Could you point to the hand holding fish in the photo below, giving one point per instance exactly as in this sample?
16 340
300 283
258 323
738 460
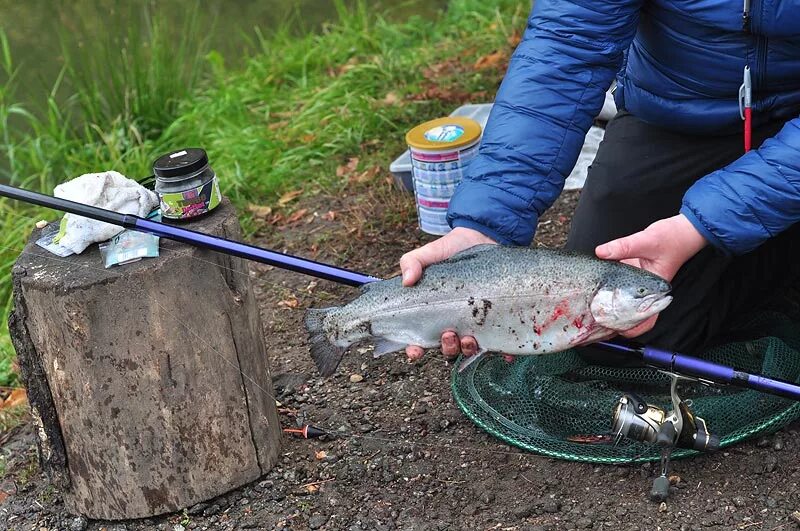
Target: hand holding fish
662 248
412 264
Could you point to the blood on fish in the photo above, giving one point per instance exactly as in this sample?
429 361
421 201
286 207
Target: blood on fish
560 310
578 322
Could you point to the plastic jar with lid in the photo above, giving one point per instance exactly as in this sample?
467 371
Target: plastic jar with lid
186 184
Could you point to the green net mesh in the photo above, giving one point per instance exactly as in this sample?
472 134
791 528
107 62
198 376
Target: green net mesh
560 406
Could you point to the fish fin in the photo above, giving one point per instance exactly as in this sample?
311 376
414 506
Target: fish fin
386 346
366 287
466 362
325 354
472 252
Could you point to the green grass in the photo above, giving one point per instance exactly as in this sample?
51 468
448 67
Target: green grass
295 111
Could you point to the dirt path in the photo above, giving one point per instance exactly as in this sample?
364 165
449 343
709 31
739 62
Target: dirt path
405 457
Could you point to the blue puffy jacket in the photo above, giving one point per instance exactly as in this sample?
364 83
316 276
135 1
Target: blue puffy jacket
679 66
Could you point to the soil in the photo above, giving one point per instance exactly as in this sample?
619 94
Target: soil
401 454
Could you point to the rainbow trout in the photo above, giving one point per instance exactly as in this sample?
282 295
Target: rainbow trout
514 300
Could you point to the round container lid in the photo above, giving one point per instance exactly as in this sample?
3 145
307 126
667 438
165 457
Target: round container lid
180 163
449 133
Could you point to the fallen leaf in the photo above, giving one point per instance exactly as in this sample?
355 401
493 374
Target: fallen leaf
330 216
307 139
368 175
312 489
311 285
290 303
277 125
259 211
391 99
297 216
289 197
347 169
17 397
492 60
322 454
515 38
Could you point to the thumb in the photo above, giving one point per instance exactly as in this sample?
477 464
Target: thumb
412 263
634 246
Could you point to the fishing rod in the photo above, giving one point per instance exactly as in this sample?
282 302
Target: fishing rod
672 362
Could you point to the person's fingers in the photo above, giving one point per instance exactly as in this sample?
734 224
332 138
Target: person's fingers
413 262
451 345
638 245
414 353
411 268
509 358
469 346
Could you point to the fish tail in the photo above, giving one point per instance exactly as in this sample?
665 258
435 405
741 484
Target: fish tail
325 354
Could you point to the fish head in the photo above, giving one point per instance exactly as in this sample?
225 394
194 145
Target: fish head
628 298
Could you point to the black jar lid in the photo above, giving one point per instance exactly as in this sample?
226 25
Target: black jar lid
180 163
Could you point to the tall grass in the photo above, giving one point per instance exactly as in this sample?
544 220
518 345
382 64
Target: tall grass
286 119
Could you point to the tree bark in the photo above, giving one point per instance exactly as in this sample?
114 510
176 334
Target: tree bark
149 381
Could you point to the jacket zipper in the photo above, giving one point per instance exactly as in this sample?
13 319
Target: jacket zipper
753 17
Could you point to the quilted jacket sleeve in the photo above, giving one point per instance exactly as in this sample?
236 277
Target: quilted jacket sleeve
554 87
751 200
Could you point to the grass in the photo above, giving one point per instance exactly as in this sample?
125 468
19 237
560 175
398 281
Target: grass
296 110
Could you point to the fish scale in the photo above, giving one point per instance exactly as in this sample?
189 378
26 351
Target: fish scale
515 300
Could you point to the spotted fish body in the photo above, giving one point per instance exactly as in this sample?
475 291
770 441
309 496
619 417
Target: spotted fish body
515 300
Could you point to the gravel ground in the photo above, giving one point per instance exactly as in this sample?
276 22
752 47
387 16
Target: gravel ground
402 455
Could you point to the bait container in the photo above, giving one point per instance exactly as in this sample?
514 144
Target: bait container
440 152
186 184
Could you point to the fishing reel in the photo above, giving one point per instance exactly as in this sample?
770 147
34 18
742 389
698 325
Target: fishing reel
635 419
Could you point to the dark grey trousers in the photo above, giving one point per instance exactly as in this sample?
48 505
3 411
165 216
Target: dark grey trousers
639 176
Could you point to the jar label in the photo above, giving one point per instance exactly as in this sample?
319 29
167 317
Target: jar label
444 133
191 203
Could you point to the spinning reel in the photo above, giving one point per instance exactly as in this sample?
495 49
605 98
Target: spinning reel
678 428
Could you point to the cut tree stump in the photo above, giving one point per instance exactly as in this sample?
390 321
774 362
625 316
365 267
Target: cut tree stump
149 381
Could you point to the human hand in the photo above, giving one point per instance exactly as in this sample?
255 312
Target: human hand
412 265
662 248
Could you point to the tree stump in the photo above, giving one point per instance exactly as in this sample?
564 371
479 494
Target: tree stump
149 381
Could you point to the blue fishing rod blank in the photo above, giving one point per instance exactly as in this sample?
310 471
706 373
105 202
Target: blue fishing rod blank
662 359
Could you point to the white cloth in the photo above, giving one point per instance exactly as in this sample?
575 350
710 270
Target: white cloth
109 190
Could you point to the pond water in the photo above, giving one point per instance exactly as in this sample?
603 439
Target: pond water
37 28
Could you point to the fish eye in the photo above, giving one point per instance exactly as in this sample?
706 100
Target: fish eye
641 291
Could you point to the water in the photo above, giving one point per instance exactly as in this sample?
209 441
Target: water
35 28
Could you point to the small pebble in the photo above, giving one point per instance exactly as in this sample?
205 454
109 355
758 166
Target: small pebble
663 507
197 509
41 224
317 521
796 516
78 524
355 378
